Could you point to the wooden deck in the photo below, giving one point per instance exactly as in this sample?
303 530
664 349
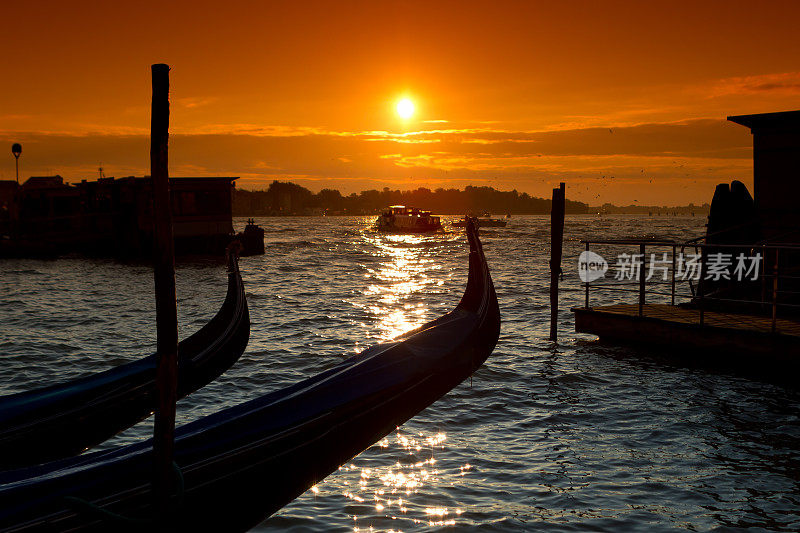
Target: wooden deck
671 326
711 318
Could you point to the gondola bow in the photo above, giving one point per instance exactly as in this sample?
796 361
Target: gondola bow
65 419
244 463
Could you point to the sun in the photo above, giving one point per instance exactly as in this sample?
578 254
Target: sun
405 108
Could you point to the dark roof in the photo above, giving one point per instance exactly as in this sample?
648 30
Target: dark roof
208 178
783 120
230 178
44 182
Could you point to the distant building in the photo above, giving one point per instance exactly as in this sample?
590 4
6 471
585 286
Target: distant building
201 211
8 195
48 209
109 215
44 182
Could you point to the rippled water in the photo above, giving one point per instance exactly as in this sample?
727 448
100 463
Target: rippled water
572 437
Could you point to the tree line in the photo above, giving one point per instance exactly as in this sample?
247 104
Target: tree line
286 198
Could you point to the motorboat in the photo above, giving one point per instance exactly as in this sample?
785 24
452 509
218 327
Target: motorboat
484 221
402 219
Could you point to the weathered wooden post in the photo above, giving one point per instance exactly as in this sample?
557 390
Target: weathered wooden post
775 292
586 295
556 249
166 304
674 262
642 277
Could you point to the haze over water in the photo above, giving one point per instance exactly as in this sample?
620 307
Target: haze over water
569 438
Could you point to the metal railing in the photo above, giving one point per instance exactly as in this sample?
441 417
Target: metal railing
770 285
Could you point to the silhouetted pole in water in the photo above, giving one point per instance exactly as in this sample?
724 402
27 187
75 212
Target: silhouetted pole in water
166 305
556 249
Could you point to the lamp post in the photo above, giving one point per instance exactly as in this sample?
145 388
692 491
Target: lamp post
16 149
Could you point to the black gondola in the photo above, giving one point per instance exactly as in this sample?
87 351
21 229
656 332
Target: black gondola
65 419
244 463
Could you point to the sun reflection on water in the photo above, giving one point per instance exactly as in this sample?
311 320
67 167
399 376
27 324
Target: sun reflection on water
388 487
405 269
389 495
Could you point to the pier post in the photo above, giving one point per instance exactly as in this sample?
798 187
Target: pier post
642 277
775 293
166 304
674 261
556 248
700 286
586 302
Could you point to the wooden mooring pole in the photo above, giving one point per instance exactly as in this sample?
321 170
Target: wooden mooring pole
556 249
166 304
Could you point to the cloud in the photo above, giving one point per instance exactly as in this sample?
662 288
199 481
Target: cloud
700 150
696 138
783 84
191 102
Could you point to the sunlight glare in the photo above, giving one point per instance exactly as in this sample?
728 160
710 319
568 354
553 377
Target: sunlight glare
405 108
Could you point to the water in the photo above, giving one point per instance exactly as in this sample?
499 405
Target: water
573 437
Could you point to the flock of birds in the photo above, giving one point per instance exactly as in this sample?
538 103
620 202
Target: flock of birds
598 184
604 181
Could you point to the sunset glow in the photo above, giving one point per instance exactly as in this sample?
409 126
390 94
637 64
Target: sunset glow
550 92
419 265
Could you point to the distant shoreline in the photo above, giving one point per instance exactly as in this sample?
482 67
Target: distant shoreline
697 212
284 198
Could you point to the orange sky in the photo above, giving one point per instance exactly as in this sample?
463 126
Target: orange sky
510 94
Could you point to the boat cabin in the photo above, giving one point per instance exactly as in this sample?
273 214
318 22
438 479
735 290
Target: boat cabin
403 210
402 219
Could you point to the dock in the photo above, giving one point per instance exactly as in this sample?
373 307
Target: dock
683 301
731 294
680 329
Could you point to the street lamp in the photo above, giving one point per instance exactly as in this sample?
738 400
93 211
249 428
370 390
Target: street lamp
16 149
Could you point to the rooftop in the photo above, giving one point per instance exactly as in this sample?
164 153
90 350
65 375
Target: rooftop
783 120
